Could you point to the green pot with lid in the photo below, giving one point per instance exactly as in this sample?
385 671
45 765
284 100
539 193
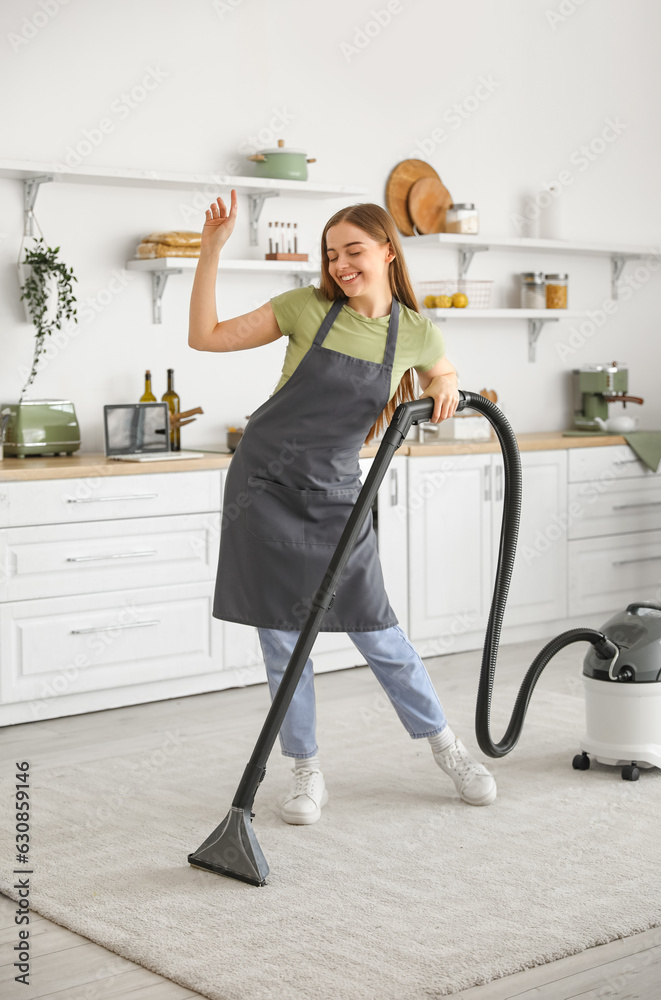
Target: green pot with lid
282 164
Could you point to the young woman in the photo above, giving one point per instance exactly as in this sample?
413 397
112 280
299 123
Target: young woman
295 475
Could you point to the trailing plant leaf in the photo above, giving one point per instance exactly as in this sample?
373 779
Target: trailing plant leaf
43 261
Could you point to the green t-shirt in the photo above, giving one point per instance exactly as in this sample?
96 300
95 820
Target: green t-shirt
300 311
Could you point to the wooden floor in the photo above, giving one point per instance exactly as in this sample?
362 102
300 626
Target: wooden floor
66 966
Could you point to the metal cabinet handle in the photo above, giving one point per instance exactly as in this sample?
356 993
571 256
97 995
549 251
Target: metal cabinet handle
499 482
394 488
625 562
115 555
630 506
487 482
626 461
111 628
126 496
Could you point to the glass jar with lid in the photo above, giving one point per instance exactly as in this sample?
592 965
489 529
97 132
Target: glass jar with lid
556 291
462 218
533 290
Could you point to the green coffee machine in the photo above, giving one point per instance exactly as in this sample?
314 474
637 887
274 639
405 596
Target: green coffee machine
40 427
595 386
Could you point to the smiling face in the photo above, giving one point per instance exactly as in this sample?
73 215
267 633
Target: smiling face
356 262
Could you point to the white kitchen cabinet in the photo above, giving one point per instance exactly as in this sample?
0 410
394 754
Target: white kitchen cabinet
79 644
449 529
89 557
106 590
455 513
103 496
615 530
606 574
538 590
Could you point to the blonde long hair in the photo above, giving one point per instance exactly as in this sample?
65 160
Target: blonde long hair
379 225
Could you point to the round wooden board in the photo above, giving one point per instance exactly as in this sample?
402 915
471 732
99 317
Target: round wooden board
398 184
428 201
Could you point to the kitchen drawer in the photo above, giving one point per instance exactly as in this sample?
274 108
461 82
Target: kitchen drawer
607 463
53 501
609 507
68 645
607 574
88 558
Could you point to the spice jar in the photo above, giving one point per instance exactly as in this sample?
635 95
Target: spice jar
556 291
461 218
533 291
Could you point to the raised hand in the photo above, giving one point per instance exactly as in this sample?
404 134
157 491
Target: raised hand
219 224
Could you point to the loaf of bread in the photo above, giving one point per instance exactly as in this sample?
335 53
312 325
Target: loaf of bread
175 238
145 250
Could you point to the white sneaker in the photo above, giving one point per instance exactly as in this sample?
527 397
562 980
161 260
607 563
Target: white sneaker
472 780
308 794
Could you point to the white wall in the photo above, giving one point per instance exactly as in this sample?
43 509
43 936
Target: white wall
559 71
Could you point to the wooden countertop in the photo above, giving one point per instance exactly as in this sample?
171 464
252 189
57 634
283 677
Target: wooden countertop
532 441
90 464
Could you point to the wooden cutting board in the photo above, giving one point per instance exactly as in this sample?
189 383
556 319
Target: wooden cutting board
428 201
401 179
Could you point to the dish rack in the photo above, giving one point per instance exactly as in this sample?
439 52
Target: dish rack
478 293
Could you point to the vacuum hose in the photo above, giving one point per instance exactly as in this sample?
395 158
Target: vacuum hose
604 648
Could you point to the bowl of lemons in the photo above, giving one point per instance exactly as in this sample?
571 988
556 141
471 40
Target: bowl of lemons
457 293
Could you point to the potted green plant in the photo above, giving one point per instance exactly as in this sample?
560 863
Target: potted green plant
48 295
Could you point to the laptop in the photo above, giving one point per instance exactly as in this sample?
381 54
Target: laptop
140 432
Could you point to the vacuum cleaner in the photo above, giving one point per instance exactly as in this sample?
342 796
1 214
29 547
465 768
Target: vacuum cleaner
621 671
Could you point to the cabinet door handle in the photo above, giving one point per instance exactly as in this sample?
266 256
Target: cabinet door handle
487 482
631 506
626 461
114 555
111 628
625 562
126 496
394 488
499 482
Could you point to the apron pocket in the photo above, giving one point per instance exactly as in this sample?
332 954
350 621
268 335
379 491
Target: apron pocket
278 513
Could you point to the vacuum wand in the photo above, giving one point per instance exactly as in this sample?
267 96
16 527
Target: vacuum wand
232 848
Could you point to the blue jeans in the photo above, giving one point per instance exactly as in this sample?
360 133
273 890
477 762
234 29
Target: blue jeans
393 659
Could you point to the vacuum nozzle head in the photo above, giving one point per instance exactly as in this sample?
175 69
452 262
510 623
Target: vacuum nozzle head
232 850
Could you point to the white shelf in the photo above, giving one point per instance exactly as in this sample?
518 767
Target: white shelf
475 243
34 174
546 314
468 246
161 268
29 170
177 264
536 318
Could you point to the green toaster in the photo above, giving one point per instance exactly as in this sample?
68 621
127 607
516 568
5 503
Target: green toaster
41 427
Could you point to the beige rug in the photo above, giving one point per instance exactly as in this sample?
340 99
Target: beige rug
401 890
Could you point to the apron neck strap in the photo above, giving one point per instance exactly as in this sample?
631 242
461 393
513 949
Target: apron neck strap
391 342
329 319
393 326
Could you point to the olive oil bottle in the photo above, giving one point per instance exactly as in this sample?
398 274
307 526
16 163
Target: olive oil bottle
172 399
148 396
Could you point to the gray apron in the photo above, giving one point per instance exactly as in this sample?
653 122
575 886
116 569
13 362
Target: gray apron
290 488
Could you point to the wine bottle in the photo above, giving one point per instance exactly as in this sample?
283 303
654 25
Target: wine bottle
148 396
172 399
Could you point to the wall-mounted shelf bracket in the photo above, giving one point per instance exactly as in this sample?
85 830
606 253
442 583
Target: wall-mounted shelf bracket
617 266
466 255
30 191
301 279
255 206
159 280
535 327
